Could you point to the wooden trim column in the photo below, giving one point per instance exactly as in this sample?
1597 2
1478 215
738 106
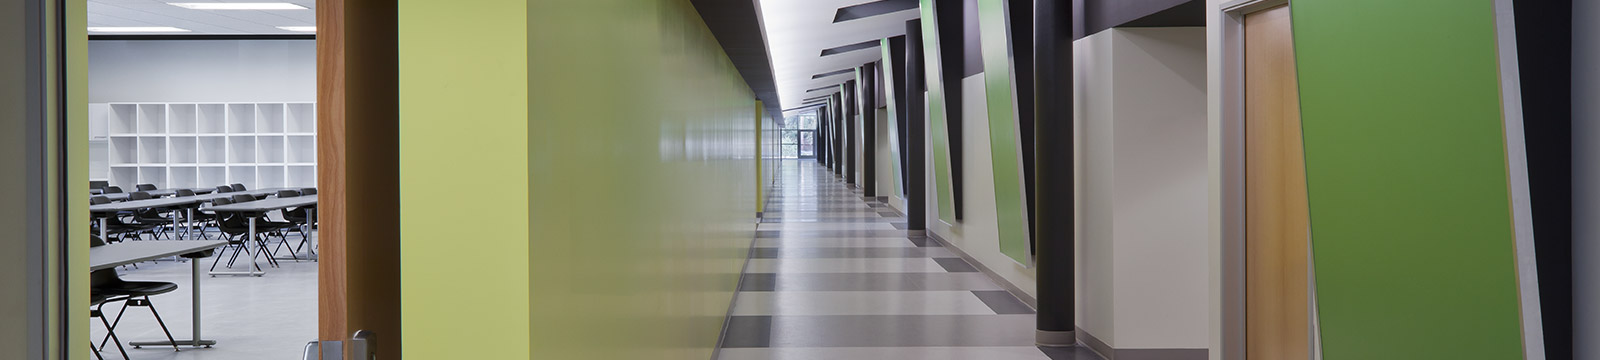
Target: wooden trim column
358 172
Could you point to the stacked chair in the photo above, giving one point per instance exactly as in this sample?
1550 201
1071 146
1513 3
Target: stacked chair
116 226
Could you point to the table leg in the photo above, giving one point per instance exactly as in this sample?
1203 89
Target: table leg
196 339
254 269
175 225
188 225
103 238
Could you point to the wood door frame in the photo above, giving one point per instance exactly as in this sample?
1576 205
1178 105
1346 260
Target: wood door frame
1232 191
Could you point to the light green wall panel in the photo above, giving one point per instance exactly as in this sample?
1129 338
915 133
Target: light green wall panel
1005 136
463 130
1406 173
894 125
937 127
642 186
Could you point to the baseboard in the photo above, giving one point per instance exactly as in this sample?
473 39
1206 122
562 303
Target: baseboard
1109 353
1055 338
1011 288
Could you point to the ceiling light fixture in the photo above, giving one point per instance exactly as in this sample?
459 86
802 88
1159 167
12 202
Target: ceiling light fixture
135 29
299 28
239 6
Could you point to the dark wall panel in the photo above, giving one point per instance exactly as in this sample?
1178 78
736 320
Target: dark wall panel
916 123
951 17
1544 55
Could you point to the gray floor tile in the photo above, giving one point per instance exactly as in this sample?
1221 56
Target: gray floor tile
850 252
1003 302
786 303
902 330
955 265
888 353
748 331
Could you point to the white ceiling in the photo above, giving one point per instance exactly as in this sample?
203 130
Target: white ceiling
159 13
798 30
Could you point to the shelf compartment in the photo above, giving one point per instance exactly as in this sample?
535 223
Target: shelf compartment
241 118
184 150
154 175
242 175
122 119
269 149
212 119
123 151
99 126
181 118
153 119
269 177
152 150
211 176
269 118
184 177
301 118
124 177
302 176
301 149
241 149
212 150
99 159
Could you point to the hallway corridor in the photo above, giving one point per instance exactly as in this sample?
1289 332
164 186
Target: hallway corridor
833 276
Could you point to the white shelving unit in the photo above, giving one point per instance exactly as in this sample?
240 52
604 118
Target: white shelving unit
260 145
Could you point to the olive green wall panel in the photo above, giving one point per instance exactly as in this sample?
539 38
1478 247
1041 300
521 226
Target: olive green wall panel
1005 136
938 129
1407 179
642 187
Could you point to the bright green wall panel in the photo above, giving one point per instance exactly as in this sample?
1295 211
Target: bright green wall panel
642 188
937 127
1407 180
889 90
463 130
1005 138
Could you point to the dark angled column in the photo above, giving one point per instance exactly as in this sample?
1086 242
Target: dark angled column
951 30
822 135
897 61
916 125
1053 173
1544 55
839 132
849 123
869 131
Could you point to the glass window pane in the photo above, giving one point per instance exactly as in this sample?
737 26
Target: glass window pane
808 122
808 150
808 138
791 151
789 137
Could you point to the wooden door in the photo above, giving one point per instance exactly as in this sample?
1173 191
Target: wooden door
1277 319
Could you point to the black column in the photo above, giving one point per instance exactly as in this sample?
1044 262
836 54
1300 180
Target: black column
1544 55
839 132
897 60
822 135
849 131
950 31
916 122
869 130
1054 172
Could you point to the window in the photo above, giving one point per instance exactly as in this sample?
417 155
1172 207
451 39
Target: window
799 136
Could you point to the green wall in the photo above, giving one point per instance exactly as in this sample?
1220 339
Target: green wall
579 179
1406 174
938 129
1005 138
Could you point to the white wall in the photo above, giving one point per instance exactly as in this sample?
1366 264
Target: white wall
978 233
1585 180
202 71
1143 263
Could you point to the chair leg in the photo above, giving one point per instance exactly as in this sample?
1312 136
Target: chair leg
145 302
110 328
110 332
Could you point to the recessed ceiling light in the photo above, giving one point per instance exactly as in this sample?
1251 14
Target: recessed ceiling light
136 29
239 6
299 28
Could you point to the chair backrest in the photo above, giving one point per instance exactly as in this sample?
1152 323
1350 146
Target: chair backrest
288 193
224 189
139 195
113 190
243 198
98 200
145 187
221 201
98 184
238 187
308 191
94 241
185 192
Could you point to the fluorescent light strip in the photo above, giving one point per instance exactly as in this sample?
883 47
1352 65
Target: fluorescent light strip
136 29
299 28
239 6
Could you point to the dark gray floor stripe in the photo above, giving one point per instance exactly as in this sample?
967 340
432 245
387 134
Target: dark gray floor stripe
1070 353
955 265
924 241
759 282
748 332
1002 302
848 252
869 282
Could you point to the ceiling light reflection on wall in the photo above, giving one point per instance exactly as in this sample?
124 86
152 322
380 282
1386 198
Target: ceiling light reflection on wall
239 6
135 29
299 28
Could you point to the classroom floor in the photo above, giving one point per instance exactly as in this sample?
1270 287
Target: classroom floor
268 317
835 277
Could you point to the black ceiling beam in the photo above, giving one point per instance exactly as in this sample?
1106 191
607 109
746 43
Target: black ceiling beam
1099 15
829 87
737 27
834 73
872 9
869 44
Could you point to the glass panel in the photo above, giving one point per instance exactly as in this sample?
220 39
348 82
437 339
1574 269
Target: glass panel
807 150
791 151
789 137
808 121
808 138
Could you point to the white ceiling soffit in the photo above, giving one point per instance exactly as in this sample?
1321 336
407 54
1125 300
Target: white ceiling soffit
127 13
798 30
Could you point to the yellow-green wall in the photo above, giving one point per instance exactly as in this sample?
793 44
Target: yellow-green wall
578 179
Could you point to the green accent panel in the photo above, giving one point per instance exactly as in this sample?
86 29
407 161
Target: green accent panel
894 126
641 180
1407 180
77 59
463 129
936 115
1005 138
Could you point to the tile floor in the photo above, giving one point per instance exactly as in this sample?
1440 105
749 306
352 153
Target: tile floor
268 317
834 276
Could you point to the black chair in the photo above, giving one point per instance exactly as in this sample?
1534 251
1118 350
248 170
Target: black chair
145 187
95 302
224 189
114 223
113 190
236 229
199 217
152 216
238 187
107 284
297 220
